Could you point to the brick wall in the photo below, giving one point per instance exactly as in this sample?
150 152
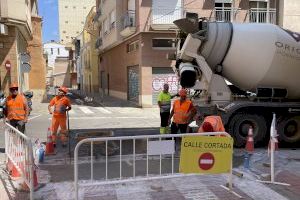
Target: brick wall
37 75
8 52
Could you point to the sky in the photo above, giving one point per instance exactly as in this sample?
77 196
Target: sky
48 9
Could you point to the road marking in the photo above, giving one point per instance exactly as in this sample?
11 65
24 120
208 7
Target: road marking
34 117
72 112
103 110
86 110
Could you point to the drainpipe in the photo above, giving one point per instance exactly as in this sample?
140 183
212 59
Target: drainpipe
268 11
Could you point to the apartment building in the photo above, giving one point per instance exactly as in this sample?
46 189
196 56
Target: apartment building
72 14
136 35
21 35
53 50
89 55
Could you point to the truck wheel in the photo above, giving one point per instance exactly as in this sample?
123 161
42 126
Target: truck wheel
289 129
239 126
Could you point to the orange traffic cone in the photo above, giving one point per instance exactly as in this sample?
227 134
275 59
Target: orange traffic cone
49 144
13 171
35 180
250 141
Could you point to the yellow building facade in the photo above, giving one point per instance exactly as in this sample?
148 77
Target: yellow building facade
89 55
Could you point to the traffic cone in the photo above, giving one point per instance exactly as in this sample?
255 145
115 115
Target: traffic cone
49 144
250 141
35 180
13 171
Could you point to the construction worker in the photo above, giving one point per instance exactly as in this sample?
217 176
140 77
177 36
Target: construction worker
61 104
164 103
16 108
212 123
183 112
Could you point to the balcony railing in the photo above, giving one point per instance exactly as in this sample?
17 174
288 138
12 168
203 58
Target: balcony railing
260 15
224 14
129 19
166 16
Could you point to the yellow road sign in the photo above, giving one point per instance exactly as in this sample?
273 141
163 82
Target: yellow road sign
206 154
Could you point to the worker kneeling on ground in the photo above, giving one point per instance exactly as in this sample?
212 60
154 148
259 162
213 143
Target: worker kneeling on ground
16 108
61 105
212 123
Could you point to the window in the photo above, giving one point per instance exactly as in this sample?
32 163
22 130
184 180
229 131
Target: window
133 46
223 12
67 37
258 12
66 6
51 51
64 31
58 51
84 7
112 19
74 7
163 43
66 22
82 22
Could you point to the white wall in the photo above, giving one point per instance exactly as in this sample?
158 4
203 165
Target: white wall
290 14
52 56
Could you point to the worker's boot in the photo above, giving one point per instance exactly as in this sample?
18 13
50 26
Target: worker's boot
64 140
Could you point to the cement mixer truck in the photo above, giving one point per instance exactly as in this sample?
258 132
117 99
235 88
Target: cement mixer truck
244 73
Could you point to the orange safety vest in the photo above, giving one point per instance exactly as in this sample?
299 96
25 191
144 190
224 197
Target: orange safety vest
216 123
182 111
60 106
16 107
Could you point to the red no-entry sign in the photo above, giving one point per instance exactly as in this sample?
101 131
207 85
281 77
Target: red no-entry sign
7 65
206 161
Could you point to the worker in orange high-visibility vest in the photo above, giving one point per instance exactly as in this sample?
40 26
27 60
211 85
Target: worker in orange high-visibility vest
212 123
16 108
182 112
61 105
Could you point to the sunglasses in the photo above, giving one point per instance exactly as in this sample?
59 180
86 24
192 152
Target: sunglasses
13 89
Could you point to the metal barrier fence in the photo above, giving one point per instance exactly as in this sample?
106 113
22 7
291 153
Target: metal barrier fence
19 153
131 157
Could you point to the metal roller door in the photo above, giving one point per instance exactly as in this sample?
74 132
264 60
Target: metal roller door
161 75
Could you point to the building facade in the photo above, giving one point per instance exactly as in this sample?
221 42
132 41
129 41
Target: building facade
89 55
53 50
72 14
21 35
136 35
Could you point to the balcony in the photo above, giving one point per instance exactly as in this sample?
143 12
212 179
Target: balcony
260 15
224 14
162 19
128 24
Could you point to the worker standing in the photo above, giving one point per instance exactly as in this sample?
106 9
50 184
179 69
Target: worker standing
212 123
164 103
61 105
183 112
16 108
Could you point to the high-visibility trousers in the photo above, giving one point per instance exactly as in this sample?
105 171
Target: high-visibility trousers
62 123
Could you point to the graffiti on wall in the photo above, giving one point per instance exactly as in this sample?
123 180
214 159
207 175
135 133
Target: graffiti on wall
158 81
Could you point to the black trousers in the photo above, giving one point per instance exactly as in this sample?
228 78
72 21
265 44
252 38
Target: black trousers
176 127
18 124
164 119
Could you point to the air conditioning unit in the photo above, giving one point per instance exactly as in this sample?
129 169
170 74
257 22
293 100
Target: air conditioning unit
3 29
